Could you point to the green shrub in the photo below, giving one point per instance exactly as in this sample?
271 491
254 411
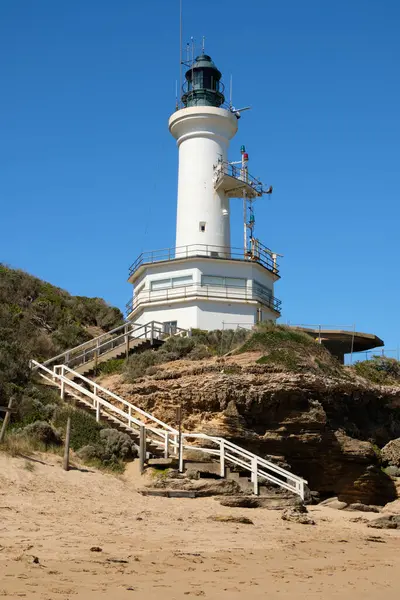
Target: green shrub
42 432
219 341
137 364
379 369
199 352
113 448
115 365
117 445
84 428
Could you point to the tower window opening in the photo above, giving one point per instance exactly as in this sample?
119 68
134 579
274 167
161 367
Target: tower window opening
202 226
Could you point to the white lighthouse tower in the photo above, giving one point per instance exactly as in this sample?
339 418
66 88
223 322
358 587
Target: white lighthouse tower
202 282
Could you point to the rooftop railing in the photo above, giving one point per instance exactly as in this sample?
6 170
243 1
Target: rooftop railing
212 292
259 254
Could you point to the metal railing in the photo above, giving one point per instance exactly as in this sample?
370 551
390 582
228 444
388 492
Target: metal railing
260 254
163 436
124 336
235 171
203 291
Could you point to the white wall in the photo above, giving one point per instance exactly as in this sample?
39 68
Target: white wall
208 315
186 315
213 315
202 135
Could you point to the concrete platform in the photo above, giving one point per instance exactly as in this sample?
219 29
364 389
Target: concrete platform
340 342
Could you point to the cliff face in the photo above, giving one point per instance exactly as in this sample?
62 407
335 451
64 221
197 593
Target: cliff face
325 429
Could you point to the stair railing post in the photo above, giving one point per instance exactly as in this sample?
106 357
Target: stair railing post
130 416
254 475
152 333
96 403
222 458
166 447
301 489
62 393
176 445
181 453
142 448
126 341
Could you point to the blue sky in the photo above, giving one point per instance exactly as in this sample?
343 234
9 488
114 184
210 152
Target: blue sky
88 170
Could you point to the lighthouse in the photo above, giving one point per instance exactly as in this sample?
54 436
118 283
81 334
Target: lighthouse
202 281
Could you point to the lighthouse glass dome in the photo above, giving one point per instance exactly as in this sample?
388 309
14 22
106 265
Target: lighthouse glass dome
203 86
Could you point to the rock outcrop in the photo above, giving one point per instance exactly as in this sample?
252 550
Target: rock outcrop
391 453
323 428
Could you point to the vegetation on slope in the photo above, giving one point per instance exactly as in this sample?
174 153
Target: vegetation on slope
202 344
287 349
379 369
38 320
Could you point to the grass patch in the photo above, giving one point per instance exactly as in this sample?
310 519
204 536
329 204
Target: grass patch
269 335
287 349
285 357
17 444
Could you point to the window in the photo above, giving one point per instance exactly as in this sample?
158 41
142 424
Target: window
165 284
184 280
262 290
202 226
223 281
169 327
161 284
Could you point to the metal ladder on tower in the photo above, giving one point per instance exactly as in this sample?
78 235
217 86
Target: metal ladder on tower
159 438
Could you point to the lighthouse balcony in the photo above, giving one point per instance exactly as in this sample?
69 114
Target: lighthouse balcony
212 288
236 182
257 254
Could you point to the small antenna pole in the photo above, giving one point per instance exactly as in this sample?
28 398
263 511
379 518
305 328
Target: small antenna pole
176 95
180 51
230 92
203 44
192 58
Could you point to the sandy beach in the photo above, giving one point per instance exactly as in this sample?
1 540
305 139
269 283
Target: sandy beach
169 548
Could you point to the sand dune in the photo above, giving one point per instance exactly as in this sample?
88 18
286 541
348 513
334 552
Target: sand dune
168 548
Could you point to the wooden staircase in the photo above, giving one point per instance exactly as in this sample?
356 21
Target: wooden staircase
157 438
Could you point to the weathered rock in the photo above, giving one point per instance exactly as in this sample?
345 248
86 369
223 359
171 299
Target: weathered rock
318 425
230 519
392 507
391 453
359 520
295 516
387 522
392 471
202 487
373 486
334 503
212 487
240 501
358 506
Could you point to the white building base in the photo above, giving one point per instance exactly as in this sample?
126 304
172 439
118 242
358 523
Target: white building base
203 292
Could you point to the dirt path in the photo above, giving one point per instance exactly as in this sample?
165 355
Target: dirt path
168 548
